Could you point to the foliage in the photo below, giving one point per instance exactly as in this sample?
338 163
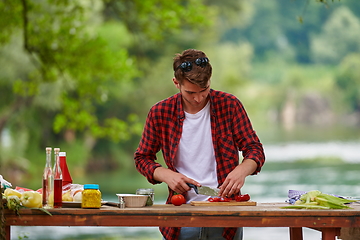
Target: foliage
339 36
82 74
68 72
348 81
55 73
275 26
75 66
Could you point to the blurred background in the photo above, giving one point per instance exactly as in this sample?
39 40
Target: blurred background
81 75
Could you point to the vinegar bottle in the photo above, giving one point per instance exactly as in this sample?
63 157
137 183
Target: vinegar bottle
57 180
64 169
47 181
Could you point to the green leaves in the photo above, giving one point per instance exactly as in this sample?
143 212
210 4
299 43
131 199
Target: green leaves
153 19
10 20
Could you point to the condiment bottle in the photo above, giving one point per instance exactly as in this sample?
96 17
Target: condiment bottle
64 169
91 196
47 181
57 180
149 192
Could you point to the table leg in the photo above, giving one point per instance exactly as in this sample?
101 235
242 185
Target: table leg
7 232
330 233
296 233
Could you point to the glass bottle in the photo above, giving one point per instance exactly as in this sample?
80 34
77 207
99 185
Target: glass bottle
64 169
47 181
57 180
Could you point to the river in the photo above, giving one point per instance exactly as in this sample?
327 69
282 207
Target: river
331 167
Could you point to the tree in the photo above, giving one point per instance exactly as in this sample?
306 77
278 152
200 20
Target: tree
62 65
69 61
340 35
348 81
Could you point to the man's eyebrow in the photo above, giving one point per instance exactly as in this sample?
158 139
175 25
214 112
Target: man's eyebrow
205 88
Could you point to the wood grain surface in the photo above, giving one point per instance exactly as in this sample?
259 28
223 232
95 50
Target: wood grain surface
231 203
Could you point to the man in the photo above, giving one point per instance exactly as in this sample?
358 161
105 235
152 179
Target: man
200 132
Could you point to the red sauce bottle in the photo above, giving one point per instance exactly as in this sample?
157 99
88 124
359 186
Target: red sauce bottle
66 177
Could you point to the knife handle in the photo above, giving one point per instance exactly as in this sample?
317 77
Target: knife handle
193 186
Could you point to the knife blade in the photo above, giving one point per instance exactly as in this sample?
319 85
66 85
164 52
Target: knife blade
204 190
114 204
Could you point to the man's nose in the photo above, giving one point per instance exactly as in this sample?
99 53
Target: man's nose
198 97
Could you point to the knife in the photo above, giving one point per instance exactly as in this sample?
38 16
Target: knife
204 190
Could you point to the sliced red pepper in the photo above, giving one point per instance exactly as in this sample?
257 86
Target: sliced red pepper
214 199
242 198
225 199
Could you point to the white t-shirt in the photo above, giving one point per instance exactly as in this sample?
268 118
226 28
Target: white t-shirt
195 157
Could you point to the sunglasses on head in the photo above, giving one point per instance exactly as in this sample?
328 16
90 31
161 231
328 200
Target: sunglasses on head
187 66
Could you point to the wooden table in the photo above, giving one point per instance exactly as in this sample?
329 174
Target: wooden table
329 222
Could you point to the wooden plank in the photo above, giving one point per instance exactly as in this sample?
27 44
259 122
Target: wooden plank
231 203
7 232
296 233
330 233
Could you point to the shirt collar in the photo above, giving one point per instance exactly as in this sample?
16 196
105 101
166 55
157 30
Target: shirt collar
180 110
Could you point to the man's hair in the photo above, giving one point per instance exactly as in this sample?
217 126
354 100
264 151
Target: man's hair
199 74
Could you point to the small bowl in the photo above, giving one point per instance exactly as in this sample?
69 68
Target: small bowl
133 200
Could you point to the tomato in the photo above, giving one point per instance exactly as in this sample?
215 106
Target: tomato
242 198
178 199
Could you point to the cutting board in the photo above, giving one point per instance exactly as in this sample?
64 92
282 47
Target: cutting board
231 203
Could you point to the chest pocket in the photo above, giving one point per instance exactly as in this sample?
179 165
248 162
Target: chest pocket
227 148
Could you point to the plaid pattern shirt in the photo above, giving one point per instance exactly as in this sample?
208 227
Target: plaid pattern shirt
231 132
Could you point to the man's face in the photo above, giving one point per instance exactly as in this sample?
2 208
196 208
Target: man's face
194 97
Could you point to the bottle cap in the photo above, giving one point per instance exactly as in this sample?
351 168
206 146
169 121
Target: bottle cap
91 186
62 154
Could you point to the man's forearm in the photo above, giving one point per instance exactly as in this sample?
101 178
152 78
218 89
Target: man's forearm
248 166
160 174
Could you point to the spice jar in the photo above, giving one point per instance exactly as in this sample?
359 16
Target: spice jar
91 196
149 192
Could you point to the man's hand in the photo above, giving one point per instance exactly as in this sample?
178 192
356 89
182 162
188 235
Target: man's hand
176 181
236 178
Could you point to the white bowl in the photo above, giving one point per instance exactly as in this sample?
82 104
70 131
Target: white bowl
133 200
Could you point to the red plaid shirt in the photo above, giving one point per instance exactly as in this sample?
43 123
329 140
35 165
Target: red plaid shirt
231 132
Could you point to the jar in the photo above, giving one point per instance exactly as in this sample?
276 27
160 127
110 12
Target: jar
91 196
149 192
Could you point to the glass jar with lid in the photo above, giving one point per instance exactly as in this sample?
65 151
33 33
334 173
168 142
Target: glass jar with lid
149 192
91 196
